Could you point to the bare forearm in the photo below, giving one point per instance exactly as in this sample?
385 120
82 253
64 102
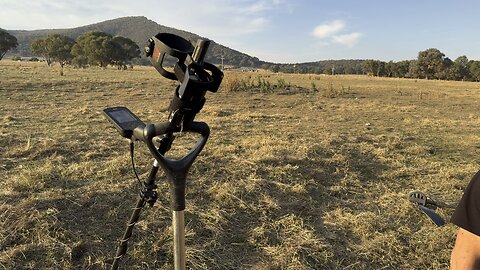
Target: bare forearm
466 253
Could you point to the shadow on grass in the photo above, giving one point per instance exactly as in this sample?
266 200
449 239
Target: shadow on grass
277 220
69 233
271 218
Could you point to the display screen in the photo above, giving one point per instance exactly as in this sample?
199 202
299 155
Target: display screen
122 116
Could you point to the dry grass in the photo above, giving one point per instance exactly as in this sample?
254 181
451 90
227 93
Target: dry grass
313 174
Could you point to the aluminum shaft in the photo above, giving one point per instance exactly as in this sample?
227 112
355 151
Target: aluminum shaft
179 239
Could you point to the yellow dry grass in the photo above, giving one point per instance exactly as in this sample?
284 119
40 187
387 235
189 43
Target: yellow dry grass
300 172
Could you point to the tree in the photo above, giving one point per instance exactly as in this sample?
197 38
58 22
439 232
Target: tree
446 72
460 70
370 67
115 53
390 68
95 47
126 51
413 70
54 48
401 69
80 61
39 47
474 69
374 67
61 47
275 68
7 42
99 48
430 63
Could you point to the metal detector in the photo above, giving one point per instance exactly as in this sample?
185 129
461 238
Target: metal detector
196 77
428 205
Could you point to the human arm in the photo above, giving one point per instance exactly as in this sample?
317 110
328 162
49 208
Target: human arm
466 252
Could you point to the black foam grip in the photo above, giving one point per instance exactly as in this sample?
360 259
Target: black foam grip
177 191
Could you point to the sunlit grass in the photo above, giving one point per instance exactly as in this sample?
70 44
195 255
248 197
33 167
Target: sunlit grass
300 171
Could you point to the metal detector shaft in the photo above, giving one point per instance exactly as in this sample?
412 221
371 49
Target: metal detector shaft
179 239
196 77
147 196
122 247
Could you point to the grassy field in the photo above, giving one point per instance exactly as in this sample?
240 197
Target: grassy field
300 172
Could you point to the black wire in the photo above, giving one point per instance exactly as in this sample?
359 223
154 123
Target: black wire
132 147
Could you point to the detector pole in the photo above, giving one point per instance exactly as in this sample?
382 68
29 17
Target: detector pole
147 195
196 77
179 239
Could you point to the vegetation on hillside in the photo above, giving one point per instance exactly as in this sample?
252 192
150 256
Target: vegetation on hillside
91 48
7 42
429 64
139 29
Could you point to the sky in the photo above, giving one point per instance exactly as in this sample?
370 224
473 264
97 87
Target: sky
283 31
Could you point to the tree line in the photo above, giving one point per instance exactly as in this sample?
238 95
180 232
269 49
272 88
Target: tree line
90 49
430 64
101 49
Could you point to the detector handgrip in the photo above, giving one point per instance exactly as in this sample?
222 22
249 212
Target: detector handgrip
146 133
184 163
175 170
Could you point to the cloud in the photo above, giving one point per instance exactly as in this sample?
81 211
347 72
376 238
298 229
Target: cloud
255 7
348 40
53 14
328 29
334 32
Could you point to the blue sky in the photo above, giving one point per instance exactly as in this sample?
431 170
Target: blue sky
283 31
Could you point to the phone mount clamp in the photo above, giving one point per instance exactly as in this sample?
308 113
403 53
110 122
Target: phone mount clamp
195 77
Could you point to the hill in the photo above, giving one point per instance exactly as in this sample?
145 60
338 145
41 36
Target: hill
138 29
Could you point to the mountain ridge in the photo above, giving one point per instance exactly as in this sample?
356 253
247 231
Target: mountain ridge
138 29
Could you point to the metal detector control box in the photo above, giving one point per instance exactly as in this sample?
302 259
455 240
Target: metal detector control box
123 119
